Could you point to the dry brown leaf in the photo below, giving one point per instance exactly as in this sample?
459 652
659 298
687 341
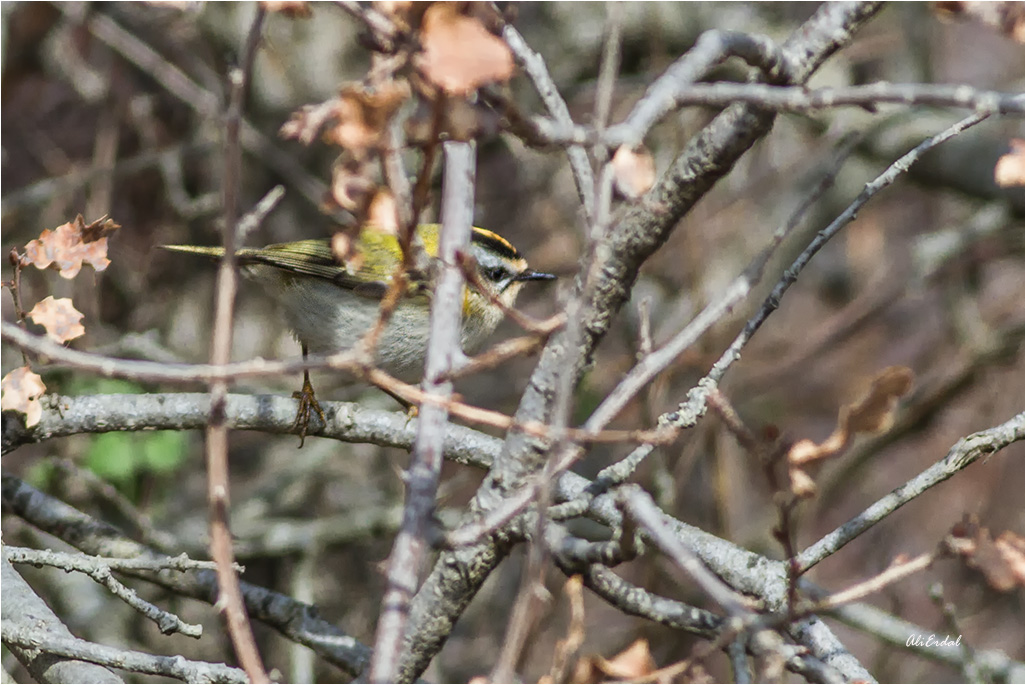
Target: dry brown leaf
71 244
567 647
362 114
633 663
585 671
304 124
97 230
1009 18
20 391
802 484
293 9
459 54
633 171
345 249
1010 169
59 317
1012 550
1000 561
874 413
403 13
352 188
383 212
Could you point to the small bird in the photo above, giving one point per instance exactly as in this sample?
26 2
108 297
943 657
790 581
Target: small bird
330 306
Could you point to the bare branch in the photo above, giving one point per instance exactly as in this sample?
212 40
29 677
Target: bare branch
792 99
100 571
19 602
230 601
534 66
176 667
443 354
295 620
963 453
638 505
708 157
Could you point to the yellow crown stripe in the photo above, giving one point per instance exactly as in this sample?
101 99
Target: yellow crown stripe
496 241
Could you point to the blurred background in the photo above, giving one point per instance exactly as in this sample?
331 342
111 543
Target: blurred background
96 120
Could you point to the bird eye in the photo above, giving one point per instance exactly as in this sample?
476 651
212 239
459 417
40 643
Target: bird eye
495 274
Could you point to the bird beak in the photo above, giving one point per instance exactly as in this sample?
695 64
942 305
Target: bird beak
532 275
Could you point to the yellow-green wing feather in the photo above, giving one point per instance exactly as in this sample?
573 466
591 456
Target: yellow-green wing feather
369 274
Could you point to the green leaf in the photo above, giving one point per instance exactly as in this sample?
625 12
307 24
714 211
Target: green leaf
163 451
113 457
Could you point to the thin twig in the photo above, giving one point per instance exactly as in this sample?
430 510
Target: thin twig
963 453
790 99
201 101
888 177
144 528
19 601
295 620
638 505
100 571
165 372
711 48
892 575
230 600
383 30
151 664
443 353
534 67
80 562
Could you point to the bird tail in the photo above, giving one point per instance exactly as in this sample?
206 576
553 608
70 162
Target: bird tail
214 252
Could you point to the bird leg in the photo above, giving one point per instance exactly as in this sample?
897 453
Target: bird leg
307 402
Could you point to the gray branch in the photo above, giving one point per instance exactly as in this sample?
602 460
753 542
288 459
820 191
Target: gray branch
708 157
70 647
22 605
963 453
99 570
297 621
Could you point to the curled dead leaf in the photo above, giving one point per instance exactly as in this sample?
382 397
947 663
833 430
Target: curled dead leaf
306 122
633 663
873 413
362 114
20 391
383 212
356 119
1002 561
59 317
293 9
1010 169
352 187
459 54
70 245
1009 18
345 248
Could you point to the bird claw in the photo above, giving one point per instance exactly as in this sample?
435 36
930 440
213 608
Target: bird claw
307 402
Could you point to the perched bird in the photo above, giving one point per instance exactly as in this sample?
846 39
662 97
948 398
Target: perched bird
330 306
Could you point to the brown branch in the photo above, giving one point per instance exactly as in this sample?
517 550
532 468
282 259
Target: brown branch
230 601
